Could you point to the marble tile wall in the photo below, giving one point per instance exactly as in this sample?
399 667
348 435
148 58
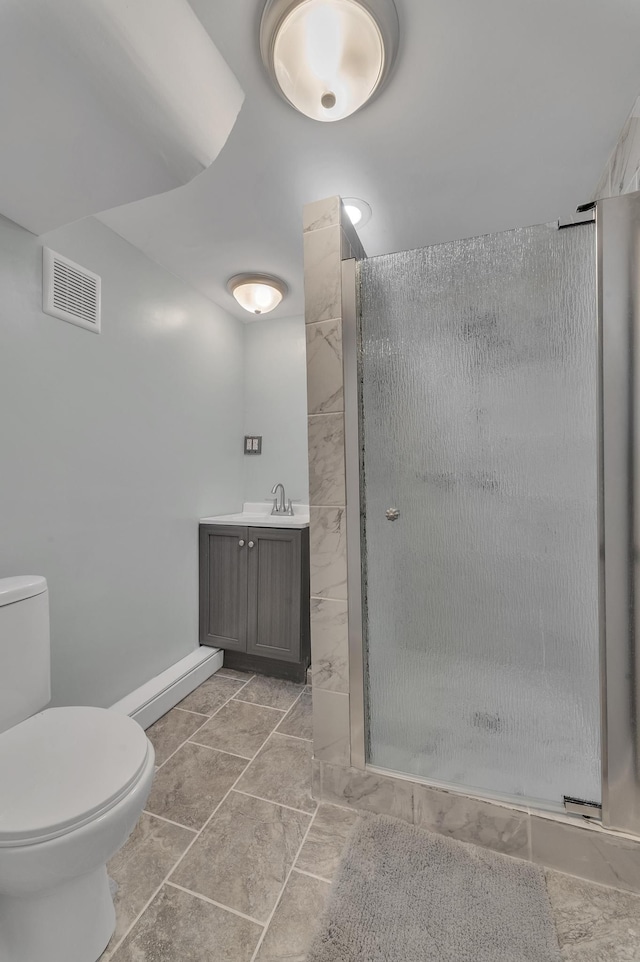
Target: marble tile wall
328 239
594 854
504 830
622 172
568 844
330 662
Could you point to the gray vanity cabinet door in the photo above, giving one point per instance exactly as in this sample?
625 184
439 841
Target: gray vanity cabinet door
275 572
223 586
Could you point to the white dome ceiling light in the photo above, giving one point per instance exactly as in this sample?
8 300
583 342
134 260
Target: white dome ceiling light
257 293
328 58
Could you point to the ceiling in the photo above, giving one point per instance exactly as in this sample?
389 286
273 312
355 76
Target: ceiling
498 114
93 116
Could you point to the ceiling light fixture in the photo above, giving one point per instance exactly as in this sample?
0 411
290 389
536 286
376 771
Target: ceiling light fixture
358 211
257 293
328 58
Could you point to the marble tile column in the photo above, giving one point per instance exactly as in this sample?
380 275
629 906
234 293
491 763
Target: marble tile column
622 172
328 238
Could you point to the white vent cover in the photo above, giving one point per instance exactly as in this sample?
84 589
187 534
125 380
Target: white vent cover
70 291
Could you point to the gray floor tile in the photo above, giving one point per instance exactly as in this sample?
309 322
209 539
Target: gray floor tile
170 731
234 673
281 772
239 728
299 719
178 927
192 783
594 923
142 864
272 692
243 856
325 843
293 923
211 695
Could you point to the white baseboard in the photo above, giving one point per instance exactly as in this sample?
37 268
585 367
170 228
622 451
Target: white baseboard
158 696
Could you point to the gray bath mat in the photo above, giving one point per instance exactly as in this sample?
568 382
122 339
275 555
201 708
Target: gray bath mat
406 895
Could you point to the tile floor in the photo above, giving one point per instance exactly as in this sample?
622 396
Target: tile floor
232 859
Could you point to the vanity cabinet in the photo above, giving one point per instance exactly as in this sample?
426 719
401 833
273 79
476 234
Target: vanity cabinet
254 597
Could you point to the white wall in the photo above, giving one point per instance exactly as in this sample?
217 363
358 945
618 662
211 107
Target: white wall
111 448
275 407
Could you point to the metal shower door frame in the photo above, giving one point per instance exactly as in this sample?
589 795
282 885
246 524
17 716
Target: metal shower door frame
618 292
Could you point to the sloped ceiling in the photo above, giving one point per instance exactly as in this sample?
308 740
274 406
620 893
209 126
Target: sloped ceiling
500 113
99 106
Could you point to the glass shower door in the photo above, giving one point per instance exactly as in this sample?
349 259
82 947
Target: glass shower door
479 378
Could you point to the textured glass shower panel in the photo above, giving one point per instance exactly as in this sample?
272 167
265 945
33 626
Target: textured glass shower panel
479 425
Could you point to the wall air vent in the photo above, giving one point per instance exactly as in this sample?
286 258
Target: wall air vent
70 292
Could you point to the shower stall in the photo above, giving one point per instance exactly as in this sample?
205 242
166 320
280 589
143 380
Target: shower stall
491 419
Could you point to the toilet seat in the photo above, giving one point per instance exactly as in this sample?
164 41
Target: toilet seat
65 767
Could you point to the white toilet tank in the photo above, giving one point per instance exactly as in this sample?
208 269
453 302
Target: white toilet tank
25 661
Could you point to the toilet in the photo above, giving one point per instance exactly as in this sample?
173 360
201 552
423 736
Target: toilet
73 783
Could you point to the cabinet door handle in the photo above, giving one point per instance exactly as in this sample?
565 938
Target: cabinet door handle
241 543
251 544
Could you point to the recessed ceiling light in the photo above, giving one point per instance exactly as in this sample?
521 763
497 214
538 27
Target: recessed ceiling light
328 58
358 211
257 293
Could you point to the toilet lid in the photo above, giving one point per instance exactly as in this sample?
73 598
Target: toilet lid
62 767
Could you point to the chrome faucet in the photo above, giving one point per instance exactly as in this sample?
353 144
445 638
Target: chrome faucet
279 503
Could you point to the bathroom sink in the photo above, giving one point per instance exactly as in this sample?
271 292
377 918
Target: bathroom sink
258 515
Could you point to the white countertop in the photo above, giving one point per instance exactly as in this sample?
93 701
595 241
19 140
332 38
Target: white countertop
258 515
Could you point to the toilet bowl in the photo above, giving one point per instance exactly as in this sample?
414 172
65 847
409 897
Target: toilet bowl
73 783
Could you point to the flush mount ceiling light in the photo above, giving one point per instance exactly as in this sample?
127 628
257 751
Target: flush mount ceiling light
257 293
328 58
358 211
